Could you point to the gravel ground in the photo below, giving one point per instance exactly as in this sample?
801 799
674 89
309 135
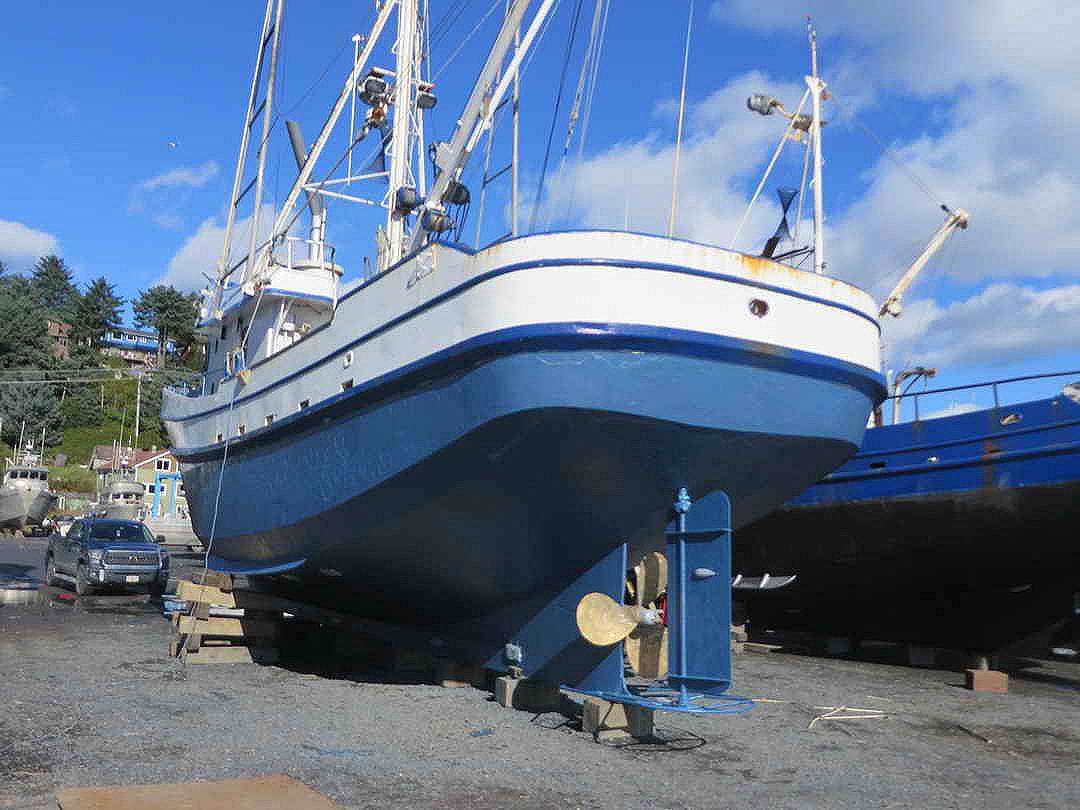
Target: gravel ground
88 696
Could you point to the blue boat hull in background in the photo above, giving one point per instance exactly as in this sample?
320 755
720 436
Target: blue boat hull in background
447 497
959 532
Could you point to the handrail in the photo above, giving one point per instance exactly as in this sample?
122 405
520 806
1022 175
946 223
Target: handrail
986 384
991 384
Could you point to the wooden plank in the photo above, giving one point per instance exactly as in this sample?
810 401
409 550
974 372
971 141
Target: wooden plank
193 592
218 626
220 655
258 793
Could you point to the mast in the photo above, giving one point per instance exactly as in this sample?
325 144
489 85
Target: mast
817 90
478 113
400 151
270 35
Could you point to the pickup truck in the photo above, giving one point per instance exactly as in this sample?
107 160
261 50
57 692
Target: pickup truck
99 552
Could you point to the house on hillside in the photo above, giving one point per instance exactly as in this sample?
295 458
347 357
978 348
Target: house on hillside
136 346
60 335
156 469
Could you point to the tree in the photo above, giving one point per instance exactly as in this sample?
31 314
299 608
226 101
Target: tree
54 286
33 406
170 313
95 312
24 339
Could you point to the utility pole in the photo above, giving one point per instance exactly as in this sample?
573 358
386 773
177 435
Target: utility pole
138 407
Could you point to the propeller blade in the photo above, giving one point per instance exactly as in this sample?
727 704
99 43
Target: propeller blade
652 578
647 651
602 621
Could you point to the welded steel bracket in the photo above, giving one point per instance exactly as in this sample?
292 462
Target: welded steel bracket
699 619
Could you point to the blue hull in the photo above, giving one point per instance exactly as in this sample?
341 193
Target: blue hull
504 470
958 531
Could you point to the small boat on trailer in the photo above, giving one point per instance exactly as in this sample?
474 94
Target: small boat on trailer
25 498
956 532
472 440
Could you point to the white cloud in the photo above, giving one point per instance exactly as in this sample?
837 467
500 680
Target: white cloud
630 182
997 86
163 196
21 244
952 409
201 251
183 177
1003 323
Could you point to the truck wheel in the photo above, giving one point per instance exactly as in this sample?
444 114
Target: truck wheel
50 572
82 583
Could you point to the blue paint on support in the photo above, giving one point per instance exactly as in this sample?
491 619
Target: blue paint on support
699 618
155 509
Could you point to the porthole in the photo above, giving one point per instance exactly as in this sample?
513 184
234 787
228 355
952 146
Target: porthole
759 308
347 360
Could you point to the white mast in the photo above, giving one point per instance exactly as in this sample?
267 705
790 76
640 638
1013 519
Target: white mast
400 152
817 90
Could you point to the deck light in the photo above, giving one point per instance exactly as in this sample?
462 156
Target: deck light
762 104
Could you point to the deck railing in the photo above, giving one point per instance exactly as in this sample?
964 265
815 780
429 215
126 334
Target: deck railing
993 385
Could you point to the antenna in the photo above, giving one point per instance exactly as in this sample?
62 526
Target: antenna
817 93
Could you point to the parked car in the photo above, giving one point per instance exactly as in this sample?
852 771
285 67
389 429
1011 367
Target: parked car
100 552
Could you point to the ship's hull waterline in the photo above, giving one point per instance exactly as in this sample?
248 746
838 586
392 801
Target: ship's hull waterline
448 485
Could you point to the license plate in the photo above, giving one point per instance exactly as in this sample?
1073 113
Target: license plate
131 578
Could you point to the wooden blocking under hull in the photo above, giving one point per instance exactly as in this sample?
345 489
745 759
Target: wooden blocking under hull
527 695
452 674
614 721
986 680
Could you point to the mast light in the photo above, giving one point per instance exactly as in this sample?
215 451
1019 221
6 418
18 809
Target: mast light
762 104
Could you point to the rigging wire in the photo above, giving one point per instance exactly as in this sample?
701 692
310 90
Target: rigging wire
678 134
579 95
889 152
555 115
448 21
540 37
465 41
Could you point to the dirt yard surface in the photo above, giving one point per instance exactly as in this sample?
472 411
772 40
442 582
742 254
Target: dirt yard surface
89 696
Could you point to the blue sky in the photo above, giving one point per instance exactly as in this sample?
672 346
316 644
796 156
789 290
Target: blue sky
980 106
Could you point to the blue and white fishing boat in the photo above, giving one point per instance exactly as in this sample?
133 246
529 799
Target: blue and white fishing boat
957 531
464 434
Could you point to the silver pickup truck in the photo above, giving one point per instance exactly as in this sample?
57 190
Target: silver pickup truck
100 552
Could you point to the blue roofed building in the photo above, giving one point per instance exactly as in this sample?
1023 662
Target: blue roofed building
137 347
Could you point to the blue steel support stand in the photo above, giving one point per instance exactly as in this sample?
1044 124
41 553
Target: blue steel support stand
155 509
699 622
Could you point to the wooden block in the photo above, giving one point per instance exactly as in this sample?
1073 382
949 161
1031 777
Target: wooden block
217 626
527 695
758 647
187 591
609 721
259 793
232 655
986 680
455 675
215 579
